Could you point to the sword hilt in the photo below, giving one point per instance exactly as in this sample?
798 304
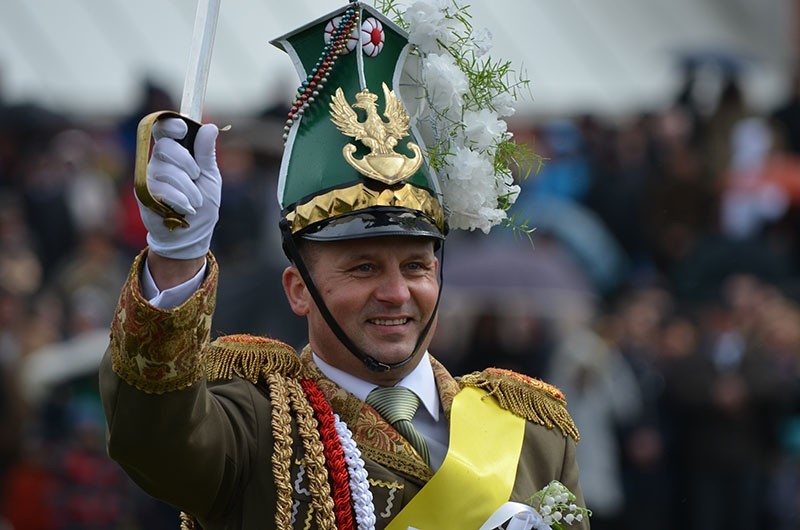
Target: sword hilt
144 140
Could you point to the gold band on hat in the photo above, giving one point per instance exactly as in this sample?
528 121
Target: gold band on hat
360 197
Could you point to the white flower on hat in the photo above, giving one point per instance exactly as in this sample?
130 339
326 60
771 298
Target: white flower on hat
512 191
481 42
483 129
470 191
464 95
503 104
427 25
445 82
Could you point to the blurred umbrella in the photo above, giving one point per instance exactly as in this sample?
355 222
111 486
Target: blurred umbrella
583 233
543 278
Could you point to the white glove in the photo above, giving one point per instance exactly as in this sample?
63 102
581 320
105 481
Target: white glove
190 186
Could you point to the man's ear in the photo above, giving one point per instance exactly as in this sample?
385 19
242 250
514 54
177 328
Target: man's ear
296 292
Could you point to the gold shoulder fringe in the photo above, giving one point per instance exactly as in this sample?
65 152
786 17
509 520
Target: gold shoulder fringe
525 396
250 357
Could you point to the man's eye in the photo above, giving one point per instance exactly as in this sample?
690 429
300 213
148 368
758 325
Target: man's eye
364 267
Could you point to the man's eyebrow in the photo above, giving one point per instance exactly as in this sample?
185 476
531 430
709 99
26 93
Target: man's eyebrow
346 260
365 255
370 256
421 255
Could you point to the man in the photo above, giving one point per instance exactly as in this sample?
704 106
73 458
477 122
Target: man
364 429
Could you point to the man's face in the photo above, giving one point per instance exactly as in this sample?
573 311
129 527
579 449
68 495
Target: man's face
382 292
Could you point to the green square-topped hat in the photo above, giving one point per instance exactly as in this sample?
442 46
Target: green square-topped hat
353 163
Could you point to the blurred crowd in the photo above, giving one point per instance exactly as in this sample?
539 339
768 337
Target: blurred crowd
659 289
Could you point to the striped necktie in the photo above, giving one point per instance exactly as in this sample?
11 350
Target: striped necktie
397 405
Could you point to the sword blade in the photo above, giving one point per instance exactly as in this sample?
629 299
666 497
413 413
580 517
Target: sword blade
196 81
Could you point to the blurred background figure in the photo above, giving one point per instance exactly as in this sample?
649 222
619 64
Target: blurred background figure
751 198
786 117
640 328
566 175
727 398
603 399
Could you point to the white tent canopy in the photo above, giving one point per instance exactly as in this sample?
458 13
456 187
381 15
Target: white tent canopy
605 56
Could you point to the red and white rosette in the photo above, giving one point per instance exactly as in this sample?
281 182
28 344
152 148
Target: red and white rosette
352 42
372 36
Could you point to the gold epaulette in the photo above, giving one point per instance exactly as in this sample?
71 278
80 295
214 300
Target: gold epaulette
250 357
525 396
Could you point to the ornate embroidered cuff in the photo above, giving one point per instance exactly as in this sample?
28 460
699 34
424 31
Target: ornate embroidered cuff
158 350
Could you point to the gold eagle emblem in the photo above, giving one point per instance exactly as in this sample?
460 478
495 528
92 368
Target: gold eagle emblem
378 134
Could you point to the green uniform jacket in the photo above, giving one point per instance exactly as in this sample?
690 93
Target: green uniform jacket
192 423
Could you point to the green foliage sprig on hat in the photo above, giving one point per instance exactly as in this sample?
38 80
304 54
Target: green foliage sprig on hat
464 96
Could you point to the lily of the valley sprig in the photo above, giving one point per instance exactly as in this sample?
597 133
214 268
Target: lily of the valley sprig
556 504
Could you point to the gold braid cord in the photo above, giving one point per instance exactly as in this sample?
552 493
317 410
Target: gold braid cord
282 455
250 357
156 350
525 396
188 522
307 427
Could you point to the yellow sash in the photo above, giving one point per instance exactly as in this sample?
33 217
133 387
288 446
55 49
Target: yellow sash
478 473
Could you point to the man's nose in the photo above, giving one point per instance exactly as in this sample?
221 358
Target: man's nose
393 288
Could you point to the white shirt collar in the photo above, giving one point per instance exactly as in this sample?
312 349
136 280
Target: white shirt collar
420 381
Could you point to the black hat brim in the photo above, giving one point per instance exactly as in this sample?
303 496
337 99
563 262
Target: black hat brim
373 222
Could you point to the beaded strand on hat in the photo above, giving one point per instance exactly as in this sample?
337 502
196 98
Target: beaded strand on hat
314 83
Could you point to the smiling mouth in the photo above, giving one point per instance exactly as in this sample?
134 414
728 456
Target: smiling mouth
388 322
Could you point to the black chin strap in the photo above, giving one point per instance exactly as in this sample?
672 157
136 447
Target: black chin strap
373 364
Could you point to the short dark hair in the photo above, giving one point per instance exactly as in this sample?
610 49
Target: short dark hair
307 250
